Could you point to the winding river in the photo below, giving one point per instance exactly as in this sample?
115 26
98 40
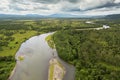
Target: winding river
35 65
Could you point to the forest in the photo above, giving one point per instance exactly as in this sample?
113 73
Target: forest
94 53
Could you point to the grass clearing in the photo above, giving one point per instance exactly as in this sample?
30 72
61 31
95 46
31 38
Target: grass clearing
13 46
51 71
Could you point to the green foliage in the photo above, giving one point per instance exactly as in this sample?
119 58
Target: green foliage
14 32
50 41
21 58
94 53
6 66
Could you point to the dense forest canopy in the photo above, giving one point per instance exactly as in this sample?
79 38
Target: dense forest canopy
94 53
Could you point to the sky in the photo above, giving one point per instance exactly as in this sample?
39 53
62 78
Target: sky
49 7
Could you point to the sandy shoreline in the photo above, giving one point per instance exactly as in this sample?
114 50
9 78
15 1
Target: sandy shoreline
56 70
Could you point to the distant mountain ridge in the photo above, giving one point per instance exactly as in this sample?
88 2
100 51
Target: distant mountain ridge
62 15
113 16
37 16
12 16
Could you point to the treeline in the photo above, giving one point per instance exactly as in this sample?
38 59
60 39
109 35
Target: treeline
12 25
112 23
94 53
46 25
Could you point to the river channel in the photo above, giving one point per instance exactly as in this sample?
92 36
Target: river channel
35 64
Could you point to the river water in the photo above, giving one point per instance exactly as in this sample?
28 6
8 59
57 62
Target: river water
35 65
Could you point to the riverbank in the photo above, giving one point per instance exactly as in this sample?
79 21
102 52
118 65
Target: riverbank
56 70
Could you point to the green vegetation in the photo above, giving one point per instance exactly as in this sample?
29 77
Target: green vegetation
11 37
14 32
51 71
71 44
94 53
6 66
50 41
13 45
21 58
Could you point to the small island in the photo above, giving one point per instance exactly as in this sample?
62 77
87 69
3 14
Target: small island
56 70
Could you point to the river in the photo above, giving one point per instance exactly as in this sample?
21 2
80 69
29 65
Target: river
35 65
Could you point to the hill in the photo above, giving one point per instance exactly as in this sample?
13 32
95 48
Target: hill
114 16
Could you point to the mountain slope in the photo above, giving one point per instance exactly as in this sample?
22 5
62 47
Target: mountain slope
114 16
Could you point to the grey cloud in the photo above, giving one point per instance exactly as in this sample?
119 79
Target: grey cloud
103 3
104 6
74 10
16 8
41 8
13 2
71 9
88 5
109 5
64 6
73 1
46 1
55 1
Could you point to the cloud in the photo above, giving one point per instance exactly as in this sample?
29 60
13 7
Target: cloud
117 1
4 5
103 11
91 4
47 7
46 1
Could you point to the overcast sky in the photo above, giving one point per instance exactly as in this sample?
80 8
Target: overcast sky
48 7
